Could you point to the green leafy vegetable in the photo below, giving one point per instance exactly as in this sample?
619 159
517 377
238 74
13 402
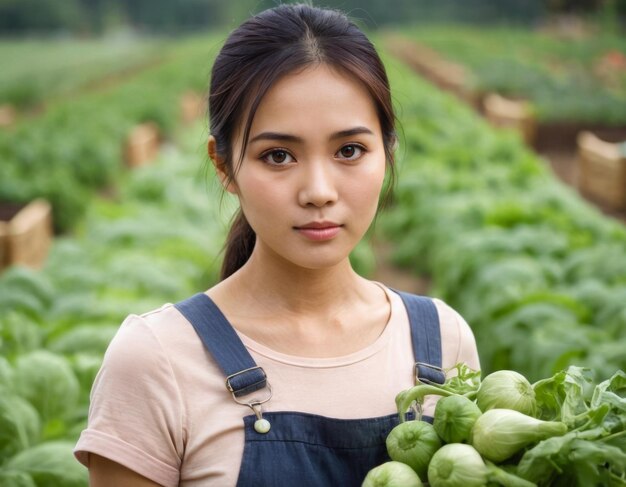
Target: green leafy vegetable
500 433
48 382
578 438
506 389
15 479
593 451
457 464
392 474
454 418
462 380
413 443
20 426
50 464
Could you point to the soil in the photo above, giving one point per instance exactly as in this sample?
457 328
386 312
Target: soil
556 136
9 210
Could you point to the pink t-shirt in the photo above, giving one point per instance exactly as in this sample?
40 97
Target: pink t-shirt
159 405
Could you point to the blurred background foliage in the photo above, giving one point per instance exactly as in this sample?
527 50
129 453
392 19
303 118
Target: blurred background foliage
478 217
93 17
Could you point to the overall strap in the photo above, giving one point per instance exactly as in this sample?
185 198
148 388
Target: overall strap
426 337
243 376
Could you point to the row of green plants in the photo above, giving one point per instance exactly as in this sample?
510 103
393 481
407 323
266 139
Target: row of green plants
538 273
158 242
76 147
36 71
567 80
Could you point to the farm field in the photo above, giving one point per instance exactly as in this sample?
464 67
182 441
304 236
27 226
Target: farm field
538 272
34 71
579 79
37 153
553 86
515 250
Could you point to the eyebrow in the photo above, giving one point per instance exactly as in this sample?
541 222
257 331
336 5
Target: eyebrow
294 138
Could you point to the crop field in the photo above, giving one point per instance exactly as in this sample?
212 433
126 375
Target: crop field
34 71
538 272
567 79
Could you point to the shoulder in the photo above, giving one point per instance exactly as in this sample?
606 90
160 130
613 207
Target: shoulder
144 330
457 338
148 343
449 317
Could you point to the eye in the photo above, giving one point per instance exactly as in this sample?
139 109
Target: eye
277 157
350 152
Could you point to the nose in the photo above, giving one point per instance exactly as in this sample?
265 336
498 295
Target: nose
318 184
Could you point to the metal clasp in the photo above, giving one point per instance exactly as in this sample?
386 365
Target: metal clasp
428 366
230 388
261 425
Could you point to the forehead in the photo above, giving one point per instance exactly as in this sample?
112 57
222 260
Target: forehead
318 98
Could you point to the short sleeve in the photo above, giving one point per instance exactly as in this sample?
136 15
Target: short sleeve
458 342
136 417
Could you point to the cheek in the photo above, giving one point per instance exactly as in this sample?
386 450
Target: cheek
366 188
261 196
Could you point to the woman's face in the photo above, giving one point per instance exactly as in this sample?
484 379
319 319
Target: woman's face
312 173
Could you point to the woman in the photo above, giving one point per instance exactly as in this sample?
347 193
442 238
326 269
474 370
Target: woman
285 372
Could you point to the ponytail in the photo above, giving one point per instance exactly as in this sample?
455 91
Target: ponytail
239 245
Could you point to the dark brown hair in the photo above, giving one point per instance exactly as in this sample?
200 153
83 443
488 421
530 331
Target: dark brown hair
266 47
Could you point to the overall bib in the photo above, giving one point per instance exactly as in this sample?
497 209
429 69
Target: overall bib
300 449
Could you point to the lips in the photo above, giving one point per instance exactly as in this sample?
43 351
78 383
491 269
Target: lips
319 231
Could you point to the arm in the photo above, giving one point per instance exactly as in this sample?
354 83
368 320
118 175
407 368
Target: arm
135 412
104 473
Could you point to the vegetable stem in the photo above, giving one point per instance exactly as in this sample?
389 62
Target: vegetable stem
417 393
506 479
471 394
613 436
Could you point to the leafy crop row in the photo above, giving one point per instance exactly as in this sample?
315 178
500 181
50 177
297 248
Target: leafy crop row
76 147
567 80
37 71
159 243
539 275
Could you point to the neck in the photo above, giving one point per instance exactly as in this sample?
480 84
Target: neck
274 283
324 312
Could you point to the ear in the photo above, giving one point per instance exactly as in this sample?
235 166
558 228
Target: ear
395 142
220 166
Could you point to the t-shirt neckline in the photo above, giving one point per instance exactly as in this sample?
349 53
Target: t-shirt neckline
327 362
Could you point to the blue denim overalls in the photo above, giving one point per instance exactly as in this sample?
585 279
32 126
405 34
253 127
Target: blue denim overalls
299 448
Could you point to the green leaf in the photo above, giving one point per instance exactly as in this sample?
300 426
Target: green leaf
10 478
48 382
586 462
576 379
611 391
549 396
50 464
20 426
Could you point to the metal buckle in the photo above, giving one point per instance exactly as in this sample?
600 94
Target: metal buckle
261 425
428 366
230 388
253 401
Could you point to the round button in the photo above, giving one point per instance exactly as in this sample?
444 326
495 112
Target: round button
262 425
